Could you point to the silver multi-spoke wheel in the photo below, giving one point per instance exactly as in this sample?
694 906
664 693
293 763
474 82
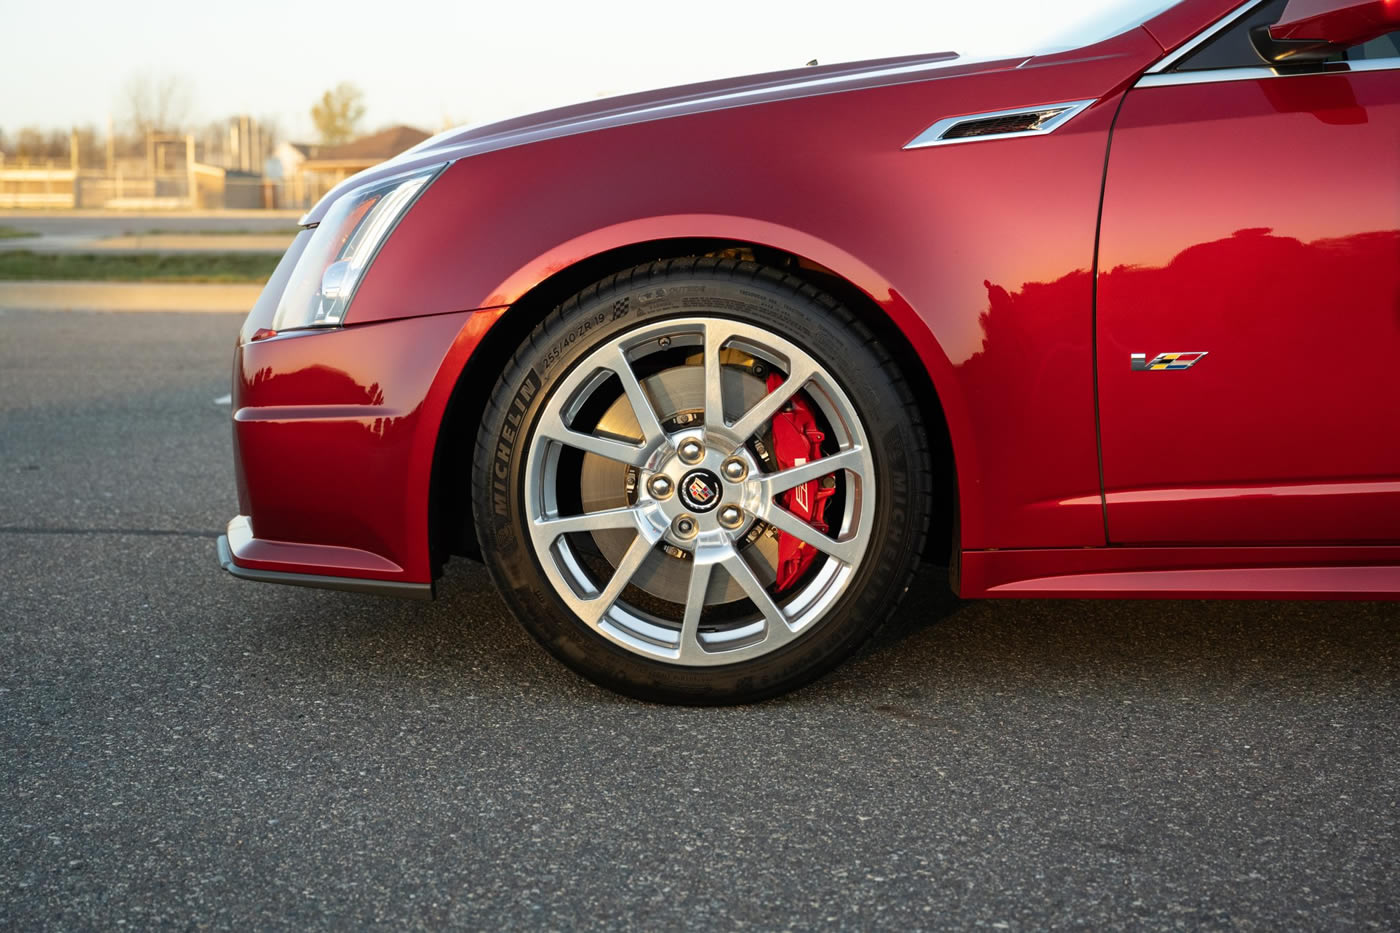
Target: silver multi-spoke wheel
656 506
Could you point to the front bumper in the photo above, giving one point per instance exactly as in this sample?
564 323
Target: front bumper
335 434
240 531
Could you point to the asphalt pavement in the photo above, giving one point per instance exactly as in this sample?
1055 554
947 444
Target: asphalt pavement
131 223
179 749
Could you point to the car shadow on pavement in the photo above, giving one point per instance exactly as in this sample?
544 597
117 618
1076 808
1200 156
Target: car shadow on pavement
935 644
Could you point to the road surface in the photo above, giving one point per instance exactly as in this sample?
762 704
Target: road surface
185 750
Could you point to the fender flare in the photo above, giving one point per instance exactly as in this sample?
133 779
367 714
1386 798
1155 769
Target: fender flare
882 293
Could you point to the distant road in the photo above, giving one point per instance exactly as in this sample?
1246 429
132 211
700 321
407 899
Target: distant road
97 224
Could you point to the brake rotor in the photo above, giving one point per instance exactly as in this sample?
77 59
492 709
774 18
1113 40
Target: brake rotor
678 397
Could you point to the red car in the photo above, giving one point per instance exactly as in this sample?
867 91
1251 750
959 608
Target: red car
703 374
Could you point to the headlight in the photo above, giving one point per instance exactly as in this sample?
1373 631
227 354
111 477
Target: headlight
342 247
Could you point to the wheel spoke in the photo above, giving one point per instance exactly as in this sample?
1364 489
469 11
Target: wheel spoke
845 551
689 642
593 610
783 480
766 407
636 397
552 427
714 375
777 630
546 530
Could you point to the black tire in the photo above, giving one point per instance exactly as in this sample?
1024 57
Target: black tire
757 295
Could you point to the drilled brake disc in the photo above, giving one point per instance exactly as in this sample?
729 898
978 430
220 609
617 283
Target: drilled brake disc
677 394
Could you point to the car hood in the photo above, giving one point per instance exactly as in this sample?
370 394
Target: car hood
660 104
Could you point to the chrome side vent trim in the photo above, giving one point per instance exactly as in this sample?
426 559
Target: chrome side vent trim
999 124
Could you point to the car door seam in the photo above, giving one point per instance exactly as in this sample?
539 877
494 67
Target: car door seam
1094 317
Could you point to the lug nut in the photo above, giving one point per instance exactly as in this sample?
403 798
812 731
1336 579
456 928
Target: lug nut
735 469
731 516
684 526
691 451
660 486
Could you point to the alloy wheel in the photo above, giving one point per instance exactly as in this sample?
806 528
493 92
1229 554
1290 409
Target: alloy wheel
675 515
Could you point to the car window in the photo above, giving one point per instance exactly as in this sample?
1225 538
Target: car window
1387 46
1232 48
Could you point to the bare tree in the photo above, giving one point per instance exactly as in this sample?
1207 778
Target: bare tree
90 146
338 113
36 144
29 142
156 104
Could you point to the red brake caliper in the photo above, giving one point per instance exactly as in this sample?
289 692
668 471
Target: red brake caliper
797 440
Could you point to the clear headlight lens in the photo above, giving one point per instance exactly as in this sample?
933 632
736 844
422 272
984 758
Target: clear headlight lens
342 247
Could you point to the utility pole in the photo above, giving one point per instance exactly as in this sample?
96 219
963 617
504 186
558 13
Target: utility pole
73 160
189 169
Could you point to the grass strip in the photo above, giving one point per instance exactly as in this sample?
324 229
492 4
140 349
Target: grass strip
11 233
287 232
227 268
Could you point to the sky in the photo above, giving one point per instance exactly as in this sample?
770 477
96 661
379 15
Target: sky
433 65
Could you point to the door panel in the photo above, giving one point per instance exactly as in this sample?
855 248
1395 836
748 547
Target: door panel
1257 221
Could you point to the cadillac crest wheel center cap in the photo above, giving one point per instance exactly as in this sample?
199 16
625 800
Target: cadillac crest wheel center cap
700 490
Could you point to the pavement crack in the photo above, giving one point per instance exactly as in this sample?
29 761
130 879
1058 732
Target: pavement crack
141 532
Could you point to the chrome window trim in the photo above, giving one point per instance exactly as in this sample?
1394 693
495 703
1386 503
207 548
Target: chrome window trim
1068 109
1204 36
1247 73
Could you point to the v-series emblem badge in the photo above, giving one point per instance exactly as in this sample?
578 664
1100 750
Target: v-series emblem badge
1167 361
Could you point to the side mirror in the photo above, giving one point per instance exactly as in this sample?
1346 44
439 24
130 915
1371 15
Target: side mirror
1313 30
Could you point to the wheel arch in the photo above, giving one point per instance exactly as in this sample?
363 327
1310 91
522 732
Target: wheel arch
531 293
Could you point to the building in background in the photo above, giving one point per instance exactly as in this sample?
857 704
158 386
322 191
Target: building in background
238 144
308 171
240 148
233 164
219 168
